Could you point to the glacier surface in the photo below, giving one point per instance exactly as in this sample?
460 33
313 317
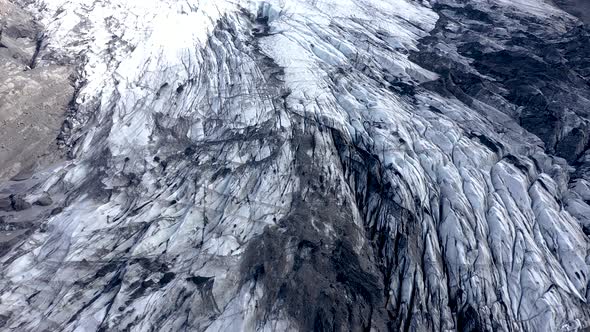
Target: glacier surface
308 165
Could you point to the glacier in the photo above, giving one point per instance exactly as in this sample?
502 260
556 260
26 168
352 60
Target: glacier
350 165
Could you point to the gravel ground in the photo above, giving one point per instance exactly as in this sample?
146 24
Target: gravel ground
33 99
578 8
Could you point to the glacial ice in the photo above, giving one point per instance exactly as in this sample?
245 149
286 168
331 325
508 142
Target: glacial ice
238 165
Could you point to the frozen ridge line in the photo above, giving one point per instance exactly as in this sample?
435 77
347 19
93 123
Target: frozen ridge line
310 165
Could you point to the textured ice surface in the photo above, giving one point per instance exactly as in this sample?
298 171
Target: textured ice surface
287 165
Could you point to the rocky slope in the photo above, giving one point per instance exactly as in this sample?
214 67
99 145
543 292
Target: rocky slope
33 100
578 8
357 165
